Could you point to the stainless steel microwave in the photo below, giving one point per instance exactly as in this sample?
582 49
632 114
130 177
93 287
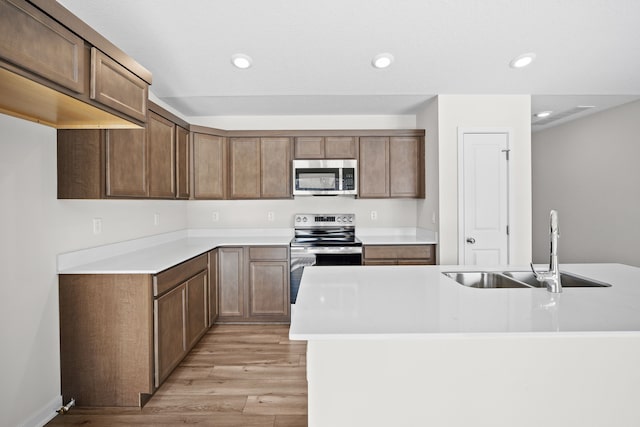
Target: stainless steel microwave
325 177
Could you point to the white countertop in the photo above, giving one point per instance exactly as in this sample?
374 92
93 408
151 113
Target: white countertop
389 302
151 255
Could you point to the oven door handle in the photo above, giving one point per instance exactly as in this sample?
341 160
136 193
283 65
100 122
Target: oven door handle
328 250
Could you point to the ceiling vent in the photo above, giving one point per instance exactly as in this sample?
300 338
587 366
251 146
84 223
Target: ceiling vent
561 115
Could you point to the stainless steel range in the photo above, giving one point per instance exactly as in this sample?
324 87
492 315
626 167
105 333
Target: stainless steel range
322 239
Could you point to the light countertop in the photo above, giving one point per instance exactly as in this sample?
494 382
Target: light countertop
151 256
154 254
391 302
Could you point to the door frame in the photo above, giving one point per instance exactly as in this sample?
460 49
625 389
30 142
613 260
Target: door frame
461 238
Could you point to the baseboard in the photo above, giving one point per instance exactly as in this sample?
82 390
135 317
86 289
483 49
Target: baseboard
45 414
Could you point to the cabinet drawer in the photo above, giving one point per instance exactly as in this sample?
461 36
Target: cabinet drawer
269 253
399 251
34 41
116 87
167 279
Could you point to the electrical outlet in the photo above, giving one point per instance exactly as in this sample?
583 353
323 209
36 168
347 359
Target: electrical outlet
374 215
97 225
215 216
156 219
271 216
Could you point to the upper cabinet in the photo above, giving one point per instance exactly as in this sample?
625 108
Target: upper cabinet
259 168
391 167
153 162
209 166
330 147
56 70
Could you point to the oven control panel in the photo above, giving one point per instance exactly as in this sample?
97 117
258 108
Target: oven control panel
324 220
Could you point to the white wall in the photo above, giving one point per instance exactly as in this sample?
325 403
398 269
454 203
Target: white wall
253 213
428 119
496 111
588 170
34 228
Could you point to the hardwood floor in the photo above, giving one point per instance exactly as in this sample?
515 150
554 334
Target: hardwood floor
237 375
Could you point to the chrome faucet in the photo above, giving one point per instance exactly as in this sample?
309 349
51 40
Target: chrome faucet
552 276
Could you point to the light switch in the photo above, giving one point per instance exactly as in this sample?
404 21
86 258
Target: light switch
156 219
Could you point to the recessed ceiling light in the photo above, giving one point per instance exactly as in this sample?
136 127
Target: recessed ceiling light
543 114
522 60
241 60
382 60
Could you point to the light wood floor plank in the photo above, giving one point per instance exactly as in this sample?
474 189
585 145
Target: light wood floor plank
237 376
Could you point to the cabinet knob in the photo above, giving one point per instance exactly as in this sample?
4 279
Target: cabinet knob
471 240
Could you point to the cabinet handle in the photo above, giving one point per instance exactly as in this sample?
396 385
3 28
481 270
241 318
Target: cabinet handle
471 240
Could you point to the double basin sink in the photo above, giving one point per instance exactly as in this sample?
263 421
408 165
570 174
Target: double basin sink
517 279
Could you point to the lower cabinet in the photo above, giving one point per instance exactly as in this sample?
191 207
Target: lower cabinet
121 335
253 283
399 255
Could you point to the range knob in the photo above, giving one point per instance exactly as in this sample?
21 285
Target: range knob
339 219
304 219
298 219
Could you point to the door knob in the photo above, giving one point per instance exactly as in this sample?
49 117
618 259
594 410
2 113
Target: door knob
471 240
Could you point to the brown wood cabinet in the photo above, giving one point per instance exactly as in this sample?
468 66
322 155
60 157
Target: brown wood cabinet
275 168
40 44
183 163
399 255
330 147
254 284
125 163
121 335
106 339
161 148
391 167
212 291
244 168
259 168
180 310
116 87
49 55
209 166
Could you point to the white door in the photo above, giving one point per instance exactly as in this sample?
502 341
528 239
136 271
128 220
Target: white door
485 198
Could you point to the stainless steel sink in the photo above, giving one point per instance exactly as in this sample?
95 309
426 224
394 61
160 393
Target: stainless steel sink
517 279
567 280
483 279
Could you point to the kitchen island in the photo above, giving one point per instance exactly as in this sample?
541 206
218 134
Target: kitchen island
408 346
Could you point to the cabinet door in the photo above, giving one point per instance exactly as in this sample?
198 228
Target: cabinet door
269 290
169 331
116 87
126 163
275 164
197 317
162 159
34 41
231 282
404 167
209 166
374 167
213 287
309 147
183 163
244 163
340 147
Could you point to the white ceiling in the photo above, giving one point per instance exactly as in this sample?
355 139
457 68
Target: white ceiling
314 57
